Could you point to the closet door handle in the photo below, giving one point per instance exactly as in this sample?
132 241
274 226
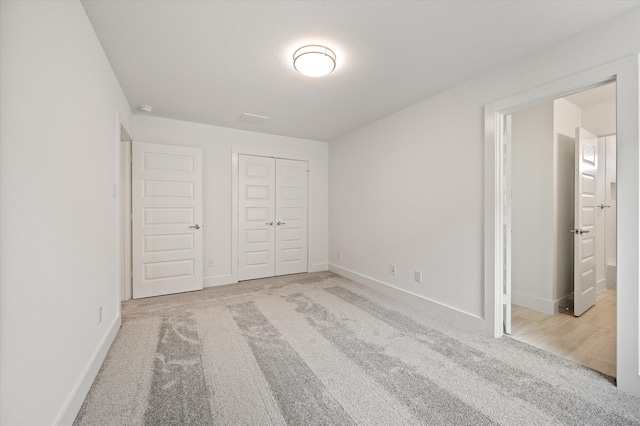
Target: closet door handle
196 226
269 223
281 223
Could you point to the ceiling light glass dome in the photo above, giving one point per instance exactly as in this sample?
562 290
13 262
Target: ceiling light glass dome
314 60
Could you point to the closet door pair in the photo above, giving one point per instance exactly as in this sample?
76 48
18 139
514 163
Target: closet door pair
273 219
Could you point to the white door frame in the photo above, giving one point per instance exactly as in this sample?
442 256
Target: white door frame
234 200
125 193
626 73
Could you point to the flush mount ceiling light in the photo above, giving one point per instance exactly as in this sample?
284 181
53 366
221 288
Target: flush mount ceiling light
145 108
314 60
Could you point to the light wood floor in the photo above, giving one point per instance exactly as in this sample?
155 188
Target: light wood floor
589 339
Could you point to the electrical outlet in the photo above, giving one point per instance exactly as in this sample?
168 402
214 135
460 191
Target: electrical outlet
338 254
212 263
392 269
99 314
417 276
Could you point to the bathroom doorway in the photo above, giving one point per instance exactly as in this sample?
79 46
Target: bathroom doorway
543 225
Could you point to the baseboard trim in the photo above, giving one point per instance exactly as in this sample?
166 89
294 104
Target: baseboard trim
533 302
319 267
71 408
218 280
601 285
413 299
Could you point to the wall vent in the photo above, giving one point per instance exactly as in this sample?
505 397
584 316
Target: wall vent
252 118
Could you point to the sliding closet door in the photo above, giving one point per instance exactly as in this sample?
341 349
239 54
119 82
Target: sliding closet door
256 211
291 217
272 210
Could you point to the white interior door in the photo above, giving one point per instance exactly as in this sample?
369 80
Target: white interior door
256 225
584 269
167 219
291 217
272 222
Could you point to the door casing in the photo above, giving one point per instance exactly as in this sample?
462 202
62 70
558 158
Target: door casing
625 72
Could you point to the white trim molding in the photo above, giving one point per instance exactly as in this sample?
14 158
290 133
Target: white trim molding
218 280
74 402
413 299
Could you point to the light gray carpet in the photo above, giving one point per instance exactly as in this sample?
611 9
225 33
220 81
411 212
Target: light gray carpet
318 349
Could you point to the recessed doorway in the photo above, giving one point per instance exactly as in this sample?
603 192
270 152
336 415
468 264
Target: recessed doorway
561 218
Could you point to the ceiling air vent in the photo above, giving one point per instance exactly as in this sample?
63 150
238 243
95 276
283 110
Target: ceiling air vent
252 118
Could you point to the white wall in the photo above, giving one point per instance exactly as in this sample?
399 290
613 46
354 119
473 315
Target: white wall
543 144
543 181
218 145
409 188
59 138
600 119
566 117
532 207
611 199
611 196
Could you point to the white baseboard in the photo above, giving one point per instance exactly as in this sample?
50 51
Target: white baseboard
218 280
601 285
413 299
319 267
534 302
74 402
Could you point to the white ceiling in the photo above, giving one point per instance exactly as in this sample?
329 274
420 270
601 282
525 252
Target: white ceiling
212 61
593 96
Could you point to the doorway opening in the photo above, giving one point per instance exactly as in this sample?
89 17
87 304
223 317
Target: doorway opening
624 72
560 226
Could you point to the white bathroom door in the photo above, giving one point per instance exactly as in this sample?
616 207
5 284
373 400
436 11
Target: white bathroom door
256 211
166 219
584 264
291 216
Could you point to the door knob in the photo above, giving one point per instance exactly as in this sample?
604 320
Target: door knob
579 231
281 223
196 226
269 223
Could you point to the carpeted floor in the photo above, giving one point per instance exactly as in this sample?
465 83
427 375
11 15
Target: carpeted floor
318 349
